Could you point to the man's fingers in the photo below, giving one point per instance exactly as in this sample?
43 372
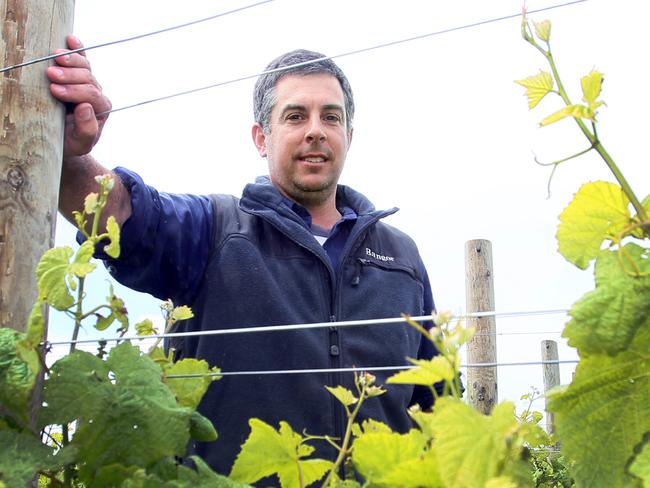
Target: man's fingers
70 76
77 94
74 43
71 60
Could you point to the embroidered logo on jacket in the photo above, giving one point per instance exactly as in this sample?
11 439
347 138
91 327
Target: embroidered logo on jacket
371 253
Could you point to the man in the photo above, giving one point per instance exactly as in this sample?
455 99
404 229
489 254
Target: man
296 248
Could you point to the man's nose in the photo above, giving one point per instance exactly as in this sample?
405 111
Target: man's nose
315 130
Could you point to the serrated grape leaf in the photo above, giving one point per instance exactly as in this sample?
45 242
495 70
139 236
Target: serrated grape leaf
81 265
129 417
51 273
267 452
598 211
640 467
393 459
502 482
190 391
472 448
113 230
371 425
578 111
182 312
591 86
537 87
424 421
543 30
606 319
90 203
145 328
343 395
35 325
427 372
607 404
17 376
22 456
201 429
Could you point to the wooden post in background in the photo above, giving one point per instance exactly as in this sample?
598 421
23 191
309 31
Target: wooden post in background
479 292
31 136
551 377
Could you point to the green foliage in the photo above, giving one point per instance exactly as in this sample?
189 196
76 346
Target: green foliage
550 470
606 319
607 404
598 211
268 451
22 455
131 418
18 372
602 417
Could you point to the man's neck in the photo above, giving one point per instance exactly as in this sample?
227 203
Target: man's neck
325 216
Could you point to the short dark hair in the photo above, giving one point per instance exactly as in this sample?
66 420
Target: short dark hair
264 98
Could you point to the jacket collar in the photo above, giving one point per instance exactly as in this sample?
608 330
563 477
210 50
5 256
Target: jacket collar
262 195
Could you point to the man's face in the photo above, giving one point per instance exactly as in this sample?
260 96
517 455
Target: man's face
308 138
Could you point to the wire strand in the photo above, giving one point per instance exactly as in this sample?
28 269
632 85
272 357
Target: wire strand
336 56
317 325
357 370
133 38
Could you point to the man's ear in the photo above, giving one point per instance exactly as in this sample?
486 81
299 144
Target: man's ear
259 138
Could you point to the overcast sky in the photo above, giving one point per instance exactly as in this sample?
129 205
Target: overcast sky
441 130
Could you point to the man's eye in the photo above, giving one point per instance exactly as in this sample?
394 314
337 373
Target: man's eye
333 118
294 116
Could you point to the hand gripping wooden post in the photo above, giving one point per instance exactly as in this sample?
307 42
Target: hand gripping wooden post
31 148
479 294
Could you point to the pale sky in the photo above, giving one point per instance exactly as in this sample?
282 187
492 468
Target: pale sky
441 130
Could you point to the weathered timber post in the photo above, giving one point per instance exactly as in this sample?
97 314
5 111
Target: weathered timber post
551 374
31 148
479 294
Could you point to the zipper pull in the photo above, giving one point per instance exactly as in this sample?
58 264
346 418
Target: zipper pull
357 277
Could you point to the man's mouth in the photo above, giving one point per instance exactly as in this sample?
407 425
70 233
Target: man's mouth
314 160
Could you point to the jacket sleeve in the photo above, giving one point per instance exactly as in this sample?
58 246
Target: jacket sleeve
165 244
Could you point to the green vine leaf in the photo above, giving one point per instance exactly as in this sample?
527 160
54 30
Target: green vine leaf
189 391
182 312
606 391
51 273
472 448
537 87
428 372
393 459
113 230
267 452
129 416
81 265
90 203
145 328
343 395
201 429
640 467
17 373
606 319
598 211
591 86
22 456
578 111
543 30
118 312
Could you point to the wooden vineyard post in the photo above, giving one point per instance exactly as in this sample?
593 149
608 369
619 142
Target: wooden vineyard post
31 148
551 377
479 293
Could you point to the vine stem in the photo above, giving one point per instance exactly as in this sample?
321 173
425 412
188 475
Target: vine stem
78 315
346 439
595 142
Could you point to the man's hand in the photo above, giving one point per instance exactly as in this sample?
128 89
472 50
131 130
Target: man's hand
73 83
